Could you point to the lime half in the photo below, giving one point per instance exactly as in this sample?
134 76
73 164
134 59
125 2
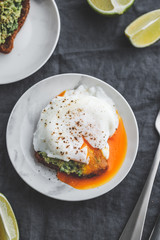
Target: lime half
8 223
145 30
110 7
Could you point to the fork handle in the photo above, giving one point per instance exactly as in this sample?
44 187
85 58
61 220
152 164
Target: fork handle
134 227
155 235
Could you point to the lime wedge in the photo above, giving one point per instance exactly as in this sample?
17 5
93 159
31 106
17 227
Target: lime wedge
145 30
110 7
8 223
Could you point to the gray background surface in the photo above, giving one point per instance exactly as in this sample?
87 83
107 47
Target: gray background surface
94 45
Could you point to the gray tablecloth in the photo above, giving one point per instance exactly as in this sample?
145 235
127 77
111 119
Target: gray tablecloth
94 45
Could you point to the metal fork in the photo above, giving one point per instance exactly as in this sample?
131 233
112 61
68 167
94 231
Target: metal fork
134 227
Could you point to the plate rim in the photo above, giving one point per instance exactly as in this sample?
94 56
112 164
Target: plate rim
117 92
49 55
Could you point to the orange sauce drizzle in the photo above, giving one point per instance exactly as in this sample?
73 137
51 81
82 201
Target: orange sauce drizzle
62 94
117 151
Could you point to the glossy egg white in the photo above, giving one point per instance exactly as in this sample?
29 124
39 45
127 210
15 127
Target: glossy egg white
64 123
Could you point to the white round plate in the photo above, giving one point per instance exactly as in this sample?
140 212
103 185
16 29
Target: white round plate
22 124
34 44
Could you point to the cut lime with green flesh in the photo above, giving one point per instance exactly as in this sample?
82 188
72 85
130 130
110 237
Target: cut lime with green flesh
8 223
110 7
145 30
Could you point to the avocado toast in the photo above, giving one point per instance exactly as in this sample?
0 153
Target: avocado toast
13 14
96 166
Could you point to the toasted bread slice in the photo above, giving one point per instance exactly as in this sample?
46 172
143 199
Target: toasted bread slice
9 43
74 168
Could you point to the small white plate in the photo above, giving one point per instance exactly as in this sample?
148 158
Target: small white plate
34 44
22 124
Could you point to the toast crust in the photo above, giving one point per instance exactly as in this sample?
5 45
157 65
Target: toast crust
9 43
41 160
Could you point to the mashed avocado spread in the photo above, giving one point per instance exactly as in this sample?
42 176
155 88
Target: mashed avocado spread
10 11
70 167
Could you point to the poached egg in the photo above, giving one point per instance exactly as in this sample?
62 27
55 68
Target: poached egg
78 116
